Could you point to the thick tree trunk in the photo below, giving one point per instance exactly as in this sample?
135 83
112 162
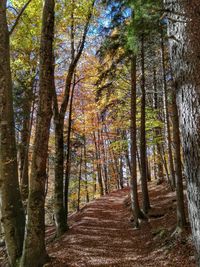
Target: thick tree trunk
13 219
145 193
34 251
184 21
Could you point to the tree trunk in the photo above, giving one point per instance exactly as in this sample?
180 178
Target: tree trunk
104 157
86 177
59 210
60 202
166 112
68 154
28 109
79 183
133 130
181 218
99 175
145 193
34 251
13 219
184 51
158 135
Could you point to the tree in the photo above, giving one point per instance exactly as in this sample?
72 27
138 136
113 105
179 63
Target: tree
183 29
13 218
34 251
60 202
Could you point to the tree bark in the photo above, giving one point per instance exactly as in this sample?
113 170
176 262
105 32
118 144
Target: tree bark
166 112
68 154
133 130
183 25
13 218
79 182
181 218
99 174
145 193
34 251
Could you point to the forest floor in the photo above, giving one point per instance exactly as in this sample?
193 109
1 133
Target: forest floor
102 234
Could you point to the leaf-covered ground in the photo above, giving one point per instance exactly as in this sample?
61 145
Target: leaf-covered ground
101 234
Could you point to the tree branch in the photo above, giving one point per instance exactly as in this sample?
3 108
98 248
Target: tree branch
19 16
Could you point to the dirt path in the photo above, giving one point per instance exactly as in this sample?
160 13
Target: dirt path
102 235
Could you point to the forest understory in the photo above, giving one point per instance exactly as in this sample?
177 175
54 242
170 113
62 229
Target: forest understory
102 234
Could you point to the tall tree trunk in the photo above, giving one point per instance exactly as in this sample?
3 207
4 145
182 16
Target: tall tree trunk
133 130
183 25
13 218
34 251
181 218
28 109
158 135
145 193
59 210
166 112
68 154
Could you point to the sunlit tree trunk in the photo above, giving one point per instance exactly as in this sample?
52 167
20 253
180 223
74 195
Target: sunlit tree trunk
13 219
34 251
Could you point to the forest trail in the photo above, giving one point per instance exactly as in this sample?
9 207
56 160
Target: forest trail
101 234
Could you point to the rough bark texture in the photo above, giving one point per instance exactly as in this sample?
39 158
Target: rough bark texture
34 252
13 218
184 32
